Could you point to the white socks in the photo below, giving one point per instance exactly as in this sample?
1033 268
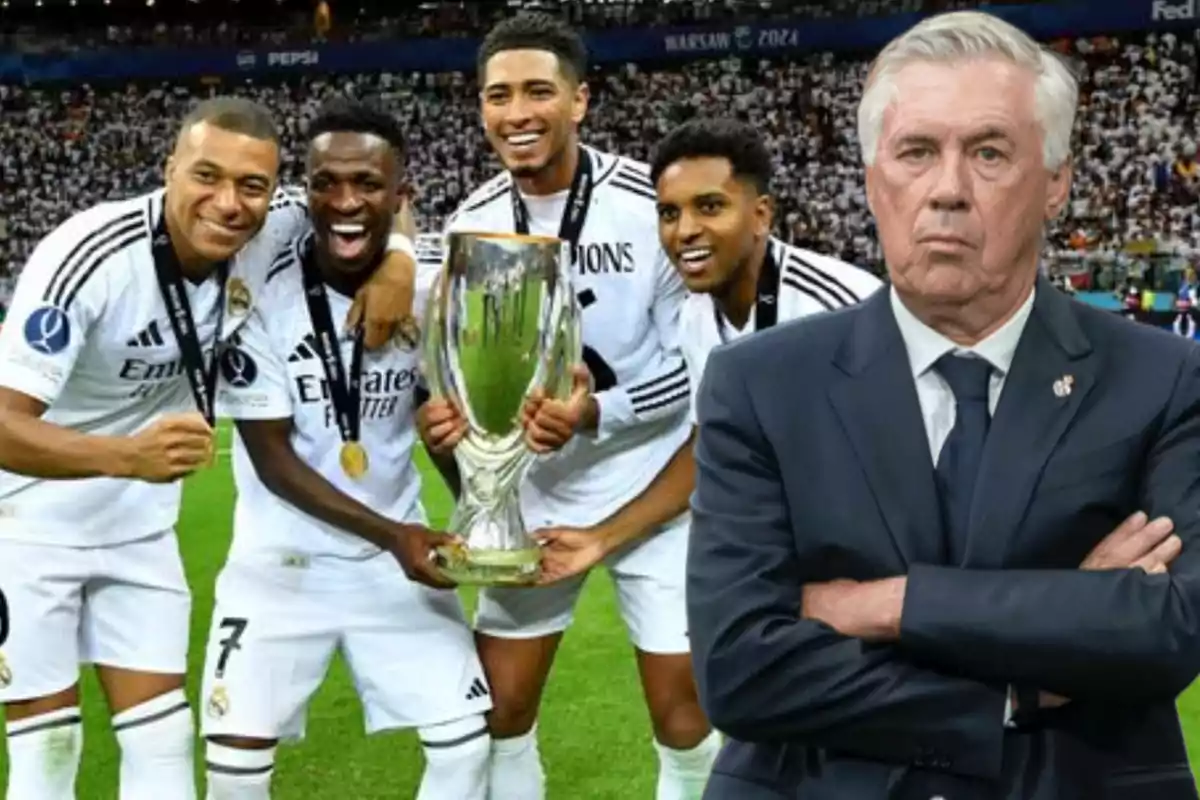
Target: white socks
456 765
682 774
156 749
43 755
457 759
517 769
237 774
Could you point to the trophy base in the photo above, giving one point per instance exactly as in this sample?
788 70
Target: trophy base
470 567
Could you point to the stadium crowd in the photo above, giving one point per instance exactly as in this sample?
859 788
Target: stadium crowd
63 149
290 21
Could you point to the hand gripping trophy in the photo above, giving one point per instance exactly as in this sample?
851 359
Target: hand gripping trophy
502 320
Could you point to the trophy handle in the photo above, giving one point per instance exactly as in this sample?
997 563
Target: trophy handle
431 367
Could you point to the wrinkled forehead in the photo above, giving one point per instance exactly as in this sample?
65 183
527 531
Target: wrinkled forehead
959 98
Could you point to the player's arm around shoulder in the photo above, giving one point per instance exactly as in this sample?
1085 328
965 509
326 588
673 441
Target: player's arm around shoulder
385 303
60 300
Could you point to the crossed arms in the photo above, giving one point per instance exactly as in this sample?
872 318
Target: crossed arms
845 667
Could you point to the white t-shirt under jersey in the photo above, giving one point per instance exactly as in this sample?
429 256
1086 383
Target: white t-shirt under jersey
809 283
280 375
631 298
88 334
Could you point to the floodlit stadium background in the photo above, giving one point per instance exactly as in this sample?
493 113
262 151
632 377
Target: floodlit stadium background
91 92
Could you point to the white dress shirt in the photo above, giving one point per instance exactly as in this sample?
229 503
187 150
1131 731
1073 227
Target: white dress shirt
925 346
938 408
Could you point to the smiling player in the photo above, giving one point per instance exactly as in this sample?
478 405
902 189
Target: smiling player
329 502
715 212
600 498
106 400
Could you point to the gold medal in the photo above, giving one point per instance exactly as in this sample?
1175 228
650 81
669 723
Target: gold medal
354 460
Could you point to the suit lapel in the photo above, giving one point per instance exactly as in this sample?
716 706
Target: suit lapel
876 402
1030 419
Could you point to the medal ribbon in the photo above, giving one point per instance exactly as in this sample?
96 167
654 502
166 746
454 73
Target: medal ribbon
201 378
345 390
766 303
579 199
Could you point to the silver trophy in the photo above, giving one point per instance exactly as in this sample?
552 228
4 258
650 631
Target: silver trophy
502 321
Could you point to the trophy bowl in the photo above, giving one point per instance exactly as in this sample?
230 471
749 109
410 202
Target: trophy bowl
502 320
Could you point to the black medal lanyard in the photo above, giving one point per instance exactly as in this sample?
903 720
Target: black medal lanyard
579 199
766 303
345 390
202 379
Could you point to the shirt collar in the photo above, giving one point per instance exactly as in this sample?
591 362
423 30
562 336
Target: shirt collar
925 345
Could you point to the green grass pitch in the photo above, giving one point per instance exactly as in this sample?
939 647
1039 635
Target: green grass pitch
594 733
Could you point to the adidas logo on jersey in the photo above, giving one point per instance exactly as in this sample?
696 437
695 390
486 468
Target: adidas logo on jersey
478 689
150 337
305 351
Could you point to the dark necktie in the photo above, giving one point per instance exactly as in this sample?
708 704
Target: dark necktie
958 464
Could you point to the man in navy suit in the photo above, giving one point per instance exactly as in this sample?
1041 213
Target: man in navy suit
946 544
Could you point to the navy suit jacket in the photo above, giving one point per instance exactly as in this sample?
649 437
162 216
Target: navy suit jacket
813 464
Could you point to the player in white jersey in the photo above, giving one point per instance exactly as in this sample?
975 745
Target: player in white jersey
599 498
105 357
715 212
329 502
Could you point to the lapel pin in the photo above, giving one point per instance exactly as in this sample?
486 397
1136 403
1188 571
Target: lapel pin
1062 386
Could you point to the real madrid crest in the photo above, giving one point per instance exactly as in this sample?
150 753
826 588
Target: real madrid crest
218 703
408 333
239 297
6 675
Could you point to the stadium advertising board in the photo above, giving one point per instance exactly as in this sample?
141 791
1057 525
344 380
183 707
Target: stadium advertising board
1066 17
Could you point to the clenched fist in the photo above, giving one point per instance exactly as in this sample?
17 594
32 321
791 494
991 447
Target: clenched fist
173 447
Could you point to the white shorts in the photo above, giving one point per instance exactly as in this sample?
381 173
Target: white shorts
650 577
125 605
276 627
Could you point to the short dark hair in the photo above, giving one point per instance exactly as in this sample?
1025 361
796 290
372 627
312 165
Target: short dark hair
535 31
347 115
233 114
737 142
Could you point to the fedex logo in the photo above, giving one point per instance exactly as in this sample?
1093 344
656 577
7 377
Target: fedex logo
1162 11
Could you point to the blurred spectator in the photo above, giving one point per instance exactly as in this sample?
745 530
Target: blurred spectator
290 22
1136 170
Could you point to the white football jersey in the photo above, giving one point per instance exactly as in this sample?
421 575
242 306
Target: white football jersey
280 375
88 334
630 298
809 283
